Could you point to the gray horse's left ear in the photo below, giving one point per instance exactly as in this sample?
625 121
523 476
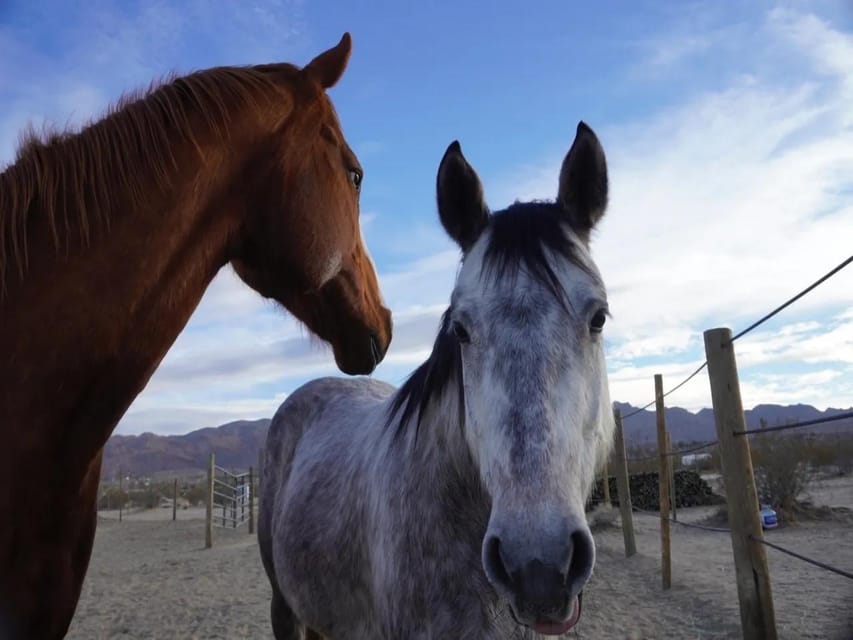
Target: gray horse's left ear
583 181
461 206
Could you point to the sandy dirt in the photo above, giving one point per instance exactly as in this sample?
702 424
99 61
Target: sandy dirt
152 578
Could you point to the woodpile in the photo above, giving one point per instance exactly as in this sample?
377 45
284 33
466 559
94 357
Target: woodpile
690 491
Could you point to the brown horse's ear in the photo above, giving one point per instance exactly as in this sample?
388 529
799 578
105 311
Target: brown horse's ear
583 181
328 67
461 207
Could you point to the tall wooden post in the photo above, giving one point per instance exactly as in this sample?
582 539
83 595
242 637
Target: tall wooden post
757 617
208 523
623 488
251 500
605 483
175 501
670 462
663 484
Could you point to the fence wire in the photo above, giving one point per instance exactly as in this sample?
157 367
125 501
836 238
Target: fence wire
675 388
797 425
789 302
755 324
794 554
689 525
677 452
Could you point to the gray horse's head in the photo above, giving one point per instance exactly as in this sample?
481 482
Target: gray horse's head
528 312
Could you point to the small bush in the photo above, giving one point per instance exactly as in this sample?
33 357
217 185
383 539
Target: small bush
781 470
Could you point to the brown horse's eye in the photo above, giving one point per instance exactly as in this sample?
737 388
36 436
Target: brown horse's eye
355 176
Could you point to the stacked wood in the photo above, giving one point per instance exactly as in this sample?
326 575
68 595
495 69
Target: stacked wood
690 491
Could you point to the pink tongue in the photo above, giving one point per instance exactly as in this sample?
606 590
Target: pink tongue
552 629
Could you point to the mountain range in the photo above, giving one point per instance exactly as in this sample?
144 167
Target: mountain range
237 444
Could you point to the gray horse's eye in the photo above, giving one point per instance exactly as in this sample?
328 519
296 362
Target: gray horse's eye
460 332
598 320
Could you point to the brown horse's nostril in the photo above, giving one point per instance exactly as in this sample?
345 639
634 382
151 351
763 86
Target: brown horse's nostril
375 349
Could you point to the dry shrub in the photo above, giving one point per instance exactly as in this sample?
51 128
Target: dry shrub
781 470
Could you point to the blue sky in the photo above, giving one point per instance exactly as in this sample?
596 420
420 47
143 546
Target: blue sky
729 136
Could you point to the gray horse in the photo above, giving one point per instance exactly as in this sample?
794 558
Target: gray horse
454 506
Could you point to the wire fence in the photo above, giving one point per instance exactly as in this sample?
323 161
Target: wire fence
847 415
792 300
796 425
748 329
743 431
793 554
689 525
799 556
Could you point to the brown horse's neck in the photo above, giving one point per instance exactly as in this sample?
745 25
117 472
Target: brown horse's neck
112 308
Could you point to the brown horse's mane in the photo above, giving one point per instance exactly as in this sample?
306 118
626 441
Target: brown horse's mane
67 177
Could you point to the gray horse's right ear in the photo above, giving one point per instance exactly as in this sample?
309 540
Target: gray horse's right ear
461 206
583 181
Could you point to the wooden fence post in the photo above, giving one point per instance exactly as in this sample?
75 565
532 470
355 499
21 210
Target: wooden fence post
175 501
605 484
208 524
251 500
757 616
663 485
623 488
671 479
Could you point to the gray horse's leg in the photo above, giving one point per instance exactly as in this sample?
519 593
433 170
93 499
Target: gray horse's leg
285 624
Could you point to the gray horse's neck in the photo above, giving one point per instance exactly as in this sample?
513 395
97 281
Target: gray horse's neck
438 517
442 476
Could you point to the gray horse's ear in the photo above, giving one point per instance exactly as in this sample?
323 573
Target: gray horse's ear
461 206
583 181
328 67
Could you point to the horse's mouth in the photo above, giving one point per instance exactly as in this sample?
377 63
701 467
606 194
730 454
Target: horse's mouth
550 628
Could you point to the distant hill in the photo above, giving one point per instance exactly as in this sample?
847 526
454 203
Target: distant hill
685 426
236 444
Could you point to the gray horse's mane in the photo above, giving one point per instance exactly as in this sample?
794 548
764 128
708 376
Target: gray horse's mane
523 236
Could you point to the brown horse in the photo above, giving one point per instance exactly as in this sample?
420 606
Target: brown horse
108 239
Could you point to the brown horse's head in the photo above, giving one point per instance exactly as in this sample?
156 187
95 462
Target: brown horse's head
301 240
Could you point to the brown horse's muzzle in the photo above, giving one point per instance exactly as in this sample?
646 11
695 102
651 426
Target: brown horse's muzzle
358 348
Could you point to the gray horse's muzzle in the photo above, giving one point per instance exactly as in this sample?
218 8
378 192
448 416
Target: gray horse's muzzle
540 582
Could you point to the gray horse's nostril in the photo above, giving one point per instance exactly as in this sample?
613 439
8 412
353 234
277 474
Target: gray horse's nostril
496 570
581 558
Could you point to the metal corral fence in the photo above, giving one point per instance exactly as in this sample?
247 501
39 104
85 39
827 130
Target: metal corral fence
230 500
748 544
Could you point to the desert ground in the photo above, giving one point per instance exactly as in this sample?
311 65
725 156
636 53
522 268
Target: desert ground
153 578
